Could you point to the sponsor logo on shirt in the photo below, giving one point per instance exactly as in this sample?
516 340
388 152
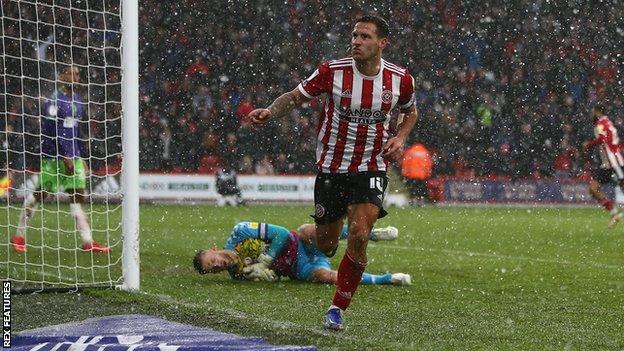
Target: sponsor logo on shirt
362 115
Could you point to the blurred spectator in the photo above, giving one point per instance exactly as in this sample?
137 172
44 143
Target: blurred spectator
416 168
246 165
264 166
281 165
564 163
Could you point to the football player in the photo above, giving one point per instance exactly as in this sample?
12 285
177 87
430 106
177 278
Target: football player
62 166
611 161
293 254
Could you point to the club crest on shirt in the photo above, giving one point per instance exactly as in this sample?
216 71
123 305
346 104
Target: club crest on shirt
319 211
386 96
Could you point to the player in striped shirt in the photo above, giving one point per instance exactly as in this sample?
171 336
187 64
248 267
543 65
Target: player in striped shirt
354 146
611 161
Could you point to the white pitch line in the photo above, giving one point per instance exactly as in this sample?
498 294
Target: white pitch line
508 257
237 314
44 274
240 315
256 319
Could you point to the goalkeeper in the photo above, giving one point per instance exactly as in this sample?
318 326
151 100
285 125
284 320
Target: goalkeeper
62 168
262 251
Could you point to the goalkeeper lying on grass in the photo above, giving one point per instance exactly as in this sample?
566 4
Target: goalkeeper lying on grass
261 251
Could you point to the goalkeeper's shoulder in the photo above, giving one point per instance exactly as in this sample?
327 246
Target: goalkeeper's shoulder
243 231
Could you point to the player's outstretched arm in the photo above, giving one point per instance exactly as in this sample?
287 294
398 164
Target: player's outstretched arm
281 106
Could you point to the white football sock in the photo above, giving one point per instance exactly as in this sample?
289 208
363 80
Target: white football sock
221 201
231 200
28 209
81 223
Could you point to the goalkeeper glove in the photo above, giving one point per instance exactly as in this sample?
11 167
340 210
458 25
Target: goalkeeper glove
260 270
266 275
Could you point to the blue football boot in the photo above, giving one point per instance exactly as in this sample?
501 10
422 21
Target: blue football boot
333 319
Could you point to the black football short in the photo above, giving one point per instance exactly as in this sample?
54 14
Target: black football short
334 192
603 175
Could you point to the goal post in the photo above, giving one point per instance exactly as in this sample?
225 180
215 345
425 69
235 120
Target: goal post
130 141
70 98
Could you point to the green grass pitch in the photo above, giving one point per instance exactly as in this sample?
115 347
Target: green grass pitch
483 278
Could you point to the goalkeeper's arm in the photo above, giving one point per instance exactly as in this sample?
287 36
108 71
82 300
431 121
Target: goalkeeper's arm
278 237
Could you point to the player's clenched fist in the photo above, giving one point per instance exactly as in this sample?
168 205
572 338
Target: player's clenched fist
260 115
393 150
261 270
265 275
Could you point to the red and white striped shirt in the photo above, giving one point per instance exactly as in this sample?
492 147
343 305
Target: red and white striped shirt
354 123
610 146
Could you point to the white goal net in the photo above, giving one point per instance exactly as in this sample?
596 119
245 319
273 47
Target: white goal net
61 115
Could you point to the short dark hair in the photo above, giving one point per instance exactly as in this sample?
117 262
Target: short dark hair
197 263
383 29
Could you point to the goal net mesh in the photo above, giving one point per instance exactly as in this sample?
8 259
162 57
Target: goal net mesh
40 40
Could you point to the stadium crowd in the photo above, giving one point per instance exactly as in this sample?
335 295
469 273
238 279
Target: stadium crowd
503 88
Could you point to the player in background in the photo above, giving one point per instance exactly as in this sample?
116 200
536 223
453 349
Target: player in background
229 192
611 161
62 168
291 253
354 146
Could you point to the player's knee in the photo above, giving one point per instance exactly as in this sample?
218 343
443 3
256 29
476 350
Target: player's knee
77 196
358 243
358 236
359 230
